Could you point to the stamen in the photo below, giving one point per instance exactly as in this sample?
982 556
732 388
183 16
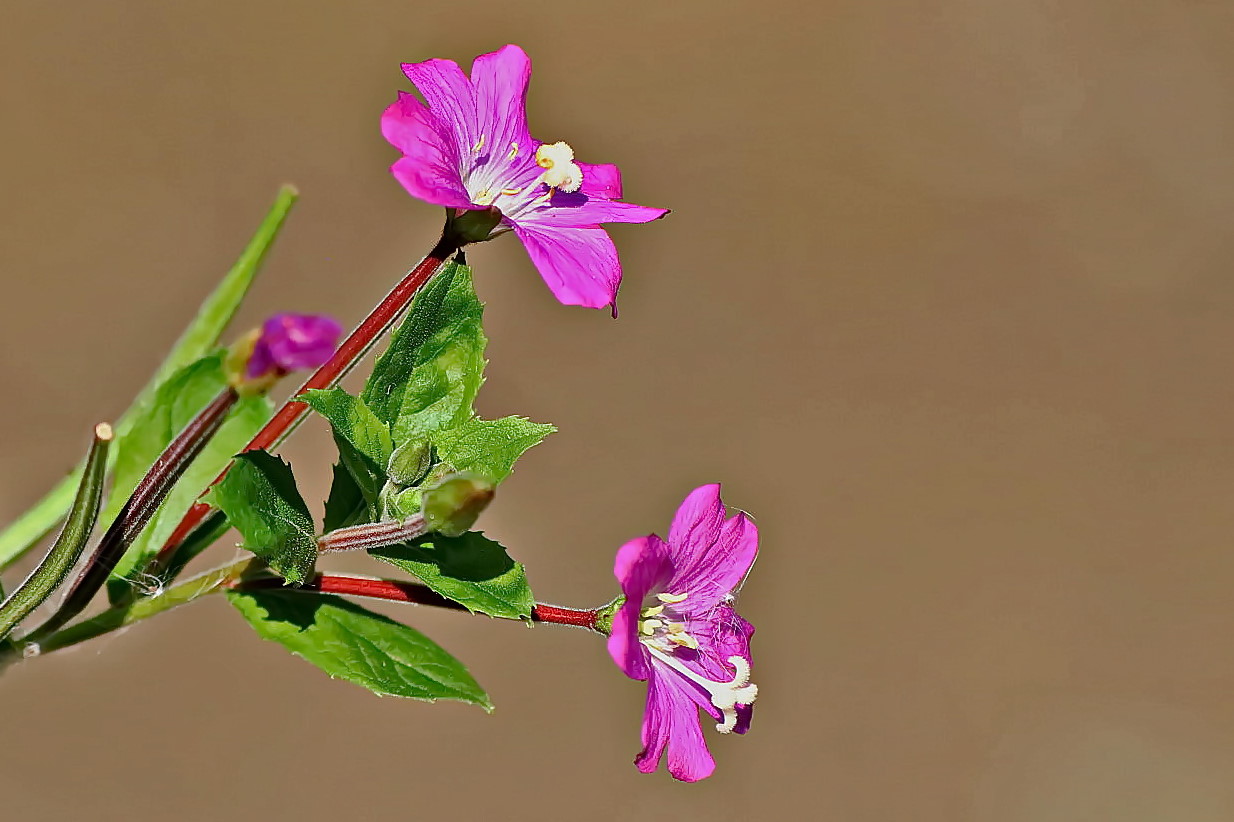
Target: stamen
513 150
672 599
510 192
479 146
484 198
656 611
650 626
725 696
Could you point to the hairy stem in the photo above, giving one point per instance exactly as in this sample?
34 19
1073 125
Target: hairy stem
372 535
188 591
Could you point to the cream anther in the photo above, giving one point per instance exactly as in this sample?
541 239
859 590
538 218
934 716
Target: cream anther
510 192
513 150
672 599
479 146
656 611
560 170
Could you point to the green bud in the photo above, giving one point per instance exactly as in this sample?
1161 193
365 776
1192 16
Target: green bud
453 506
410 462
473 225
400 503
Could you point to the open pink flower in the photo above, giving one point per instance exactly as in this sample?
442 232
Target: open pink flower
469 148
678 631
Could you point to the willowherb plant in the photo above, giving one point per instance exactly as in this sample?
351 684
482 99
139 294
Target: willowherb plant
192 458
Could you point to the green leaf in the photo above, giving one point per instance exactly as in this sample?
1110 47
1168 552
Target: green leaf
244 420
260 497
363 440
471 569
352 643
346 504
489 447
201 335
428 378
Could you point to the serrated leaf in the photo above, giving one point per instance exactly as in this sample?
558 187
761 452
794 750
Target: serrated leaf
346 504
352 643
244 420
428 378
489 447
363 440
471 569
260 497
197 339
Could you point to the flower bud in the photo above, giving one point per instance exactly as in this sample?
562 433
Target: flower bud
410 462
453 506
285 343
399 503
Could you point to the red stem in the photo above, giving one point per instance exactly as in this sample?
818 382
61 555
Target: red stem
348 354
411 592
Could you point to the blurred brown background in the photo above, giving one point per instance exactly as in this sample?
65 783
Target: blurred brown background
944 301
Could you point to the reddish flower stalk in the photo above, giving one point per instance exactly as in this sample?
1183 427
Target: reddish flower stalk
414 593
372 535
141 505
352 349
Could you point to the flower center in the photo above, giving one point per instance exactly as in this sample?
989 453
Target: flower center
662 634
560 170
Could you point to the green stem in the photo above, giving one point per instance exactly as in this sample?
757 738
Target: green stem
67 548
199 586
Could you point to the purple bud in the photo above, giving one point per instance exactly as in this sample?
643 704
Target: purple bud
289 342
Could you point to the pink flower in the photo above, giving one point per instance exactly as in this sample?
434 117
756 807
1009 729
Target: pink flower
289 342
678 631
469 148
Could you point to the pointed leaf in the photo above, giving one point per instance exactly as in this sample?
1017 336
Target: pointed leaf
346 504
489 447
201 335
363 440
352 643
471 569
260 497
428 378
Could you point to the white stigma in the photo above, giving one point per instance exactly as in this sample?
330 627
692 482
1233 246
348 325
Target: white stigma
725 696
560 170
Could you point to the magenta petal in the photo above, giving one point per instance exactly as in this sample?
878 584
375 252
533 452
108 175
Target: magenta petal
601 180
407 125
578 211
642 566
712 555
696 523
580 265
289 342
671 721
500 81
449 95
430 183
